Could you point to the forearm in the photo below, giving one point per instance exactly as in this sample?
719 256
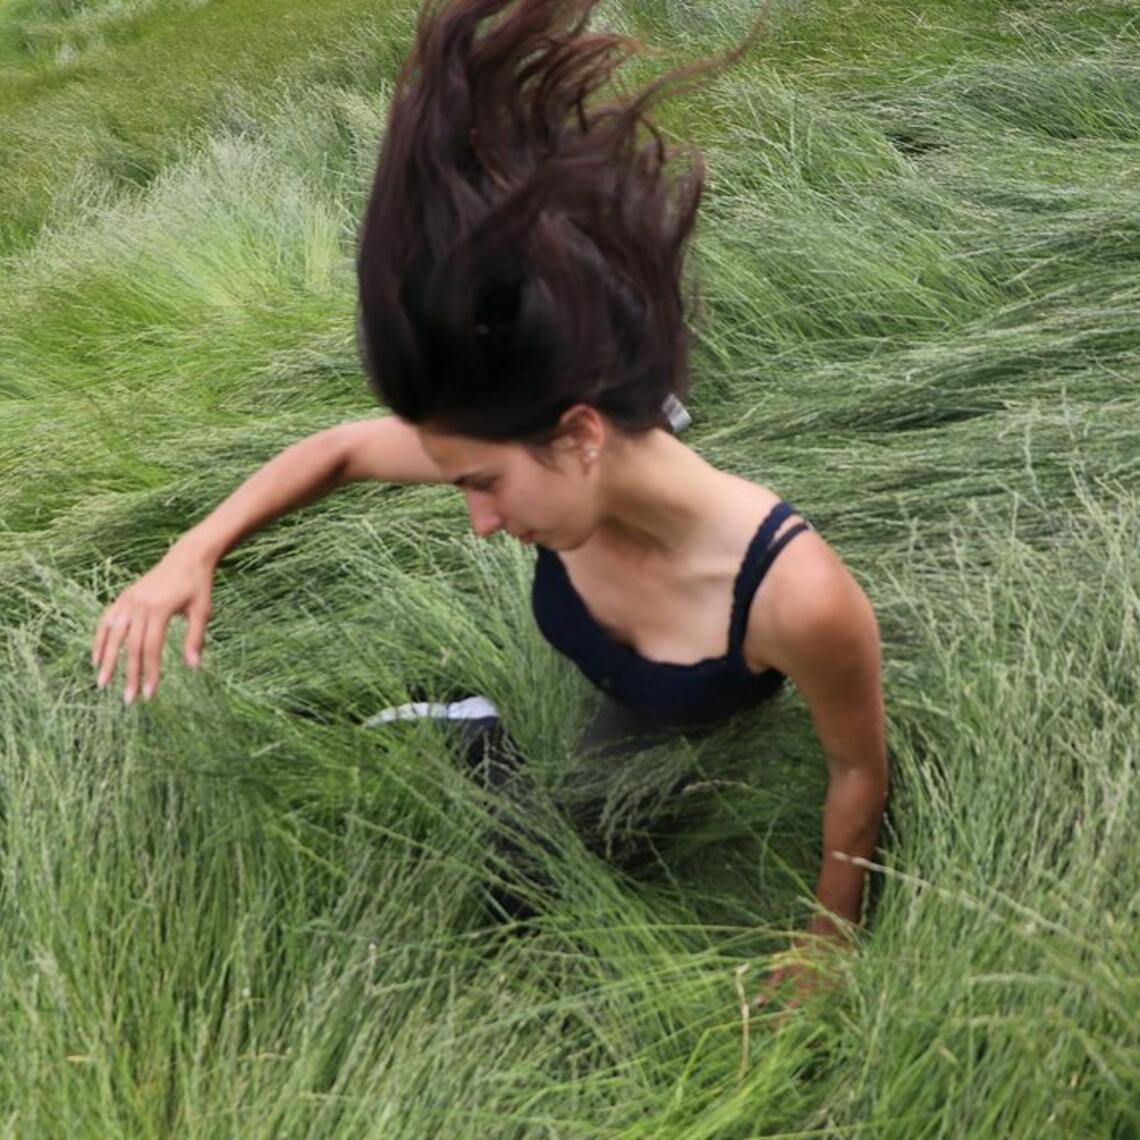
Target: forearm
852 820
301 474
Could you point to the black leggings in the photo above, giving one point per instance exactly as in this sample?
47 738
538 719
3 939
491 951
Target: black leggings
498 765
614 730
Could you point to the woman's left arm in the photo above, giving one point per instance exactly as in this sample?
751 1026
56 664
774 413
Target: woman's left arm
820 630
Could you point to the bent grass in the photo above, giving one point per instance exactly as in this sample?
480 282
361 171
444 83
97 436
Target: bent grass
235 911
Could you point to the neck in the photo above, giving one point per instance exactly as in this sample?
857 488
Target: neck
655 495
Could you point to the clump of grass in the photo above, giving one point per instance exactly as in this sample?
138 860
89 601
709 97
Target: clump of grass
287 916
200 292
60 33
235 910
194 61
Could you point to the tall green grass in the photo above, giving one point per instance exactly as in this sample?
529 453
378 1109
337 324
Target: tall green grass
129 86
235 911
236 916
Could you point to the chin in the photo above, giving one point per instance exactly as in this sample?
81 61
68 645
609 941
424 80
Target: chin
566 543
566 537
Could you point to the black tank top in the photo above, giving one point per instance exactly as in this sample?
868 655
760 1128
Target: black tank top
673 695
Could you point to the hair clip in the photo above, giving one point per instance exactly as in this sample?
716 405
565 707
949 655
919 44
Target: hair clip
676 413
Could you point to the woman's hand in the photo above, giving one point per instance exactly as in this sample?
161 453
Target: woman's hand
180 584
808 967
788 984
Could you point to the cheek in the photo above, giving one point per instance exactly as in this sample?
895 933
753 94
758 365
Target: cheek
538 497
560 507
521 506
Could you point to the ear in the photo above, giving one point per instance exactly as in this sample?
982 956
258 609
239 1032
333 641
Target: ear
582 428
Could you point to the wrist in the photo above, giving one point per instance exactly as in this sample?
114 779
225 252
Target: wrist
198 546
831 927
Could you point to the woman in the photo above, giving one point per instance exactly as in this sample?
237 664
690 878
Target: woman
520 271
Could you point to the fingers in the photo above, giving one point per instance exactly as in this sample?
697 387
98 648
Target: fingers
135 638
139 635
152 641
777 987
108 639
196 620
767 996
137 621
99 642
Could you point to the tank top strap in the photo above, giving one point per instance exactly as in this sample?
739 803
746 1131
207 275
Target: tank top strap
759 557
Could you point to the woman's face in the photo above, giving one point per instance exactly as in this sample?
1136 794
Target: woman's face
507 488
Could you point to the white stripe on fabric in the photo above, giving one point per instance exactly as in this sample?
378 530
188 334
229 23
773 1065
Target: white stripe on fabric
473 708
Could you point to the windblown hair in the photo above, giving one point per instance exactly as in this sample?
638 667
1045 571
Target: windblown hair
522 252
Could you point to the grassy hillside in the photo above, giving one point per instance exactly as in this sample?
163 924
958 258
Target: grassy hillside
235 911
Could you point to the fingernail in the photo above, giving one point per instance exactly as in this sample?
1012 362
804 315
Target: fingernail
128 696
148 691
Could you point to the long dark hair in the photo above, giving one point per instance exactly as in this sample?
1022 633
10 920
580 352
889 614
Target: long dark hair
521 252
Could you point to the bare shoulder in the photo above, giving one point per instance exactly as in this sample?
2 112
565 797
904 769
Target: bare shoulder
809 610
386 448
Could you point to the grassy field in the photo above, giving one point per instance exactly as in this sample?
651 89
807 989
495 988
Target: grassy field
235 911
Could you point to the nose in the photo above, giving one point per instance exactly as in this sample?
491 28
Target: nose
485 520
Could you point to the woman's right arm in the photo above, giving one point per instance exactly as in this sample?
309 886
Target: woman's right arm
181 583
